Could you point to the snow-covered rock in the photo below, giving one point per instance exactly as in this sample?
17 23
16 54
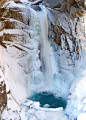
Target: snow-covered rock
76 103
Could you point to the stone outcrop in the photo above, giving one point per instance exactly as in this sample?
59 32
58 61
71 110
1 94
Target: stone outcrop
56 4
59 4
63 5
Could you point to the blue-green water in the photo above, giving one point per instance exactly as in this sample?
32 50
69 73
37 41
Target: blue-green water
48 98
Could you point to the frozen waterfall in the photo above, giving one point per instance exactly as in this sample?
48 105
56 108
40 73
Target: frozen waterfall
45 48
45 75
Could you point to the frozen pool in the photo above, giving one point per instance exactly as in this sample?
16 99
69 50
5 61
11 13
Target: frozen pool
48 100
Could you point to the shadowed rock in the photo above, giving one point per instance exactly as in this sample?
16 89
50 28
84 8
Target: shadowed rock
3 96
52 3
35 7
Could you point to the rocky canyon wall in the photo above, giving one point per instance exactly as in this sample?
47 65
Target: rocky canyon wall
20 45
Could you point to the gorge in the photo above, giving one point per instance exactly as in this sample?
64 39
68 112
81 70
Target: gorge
42 49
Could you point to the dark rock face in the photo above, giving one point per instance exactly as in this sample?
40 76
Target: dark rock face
59 4
36 8
63 4
3 96
17 1
53 3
